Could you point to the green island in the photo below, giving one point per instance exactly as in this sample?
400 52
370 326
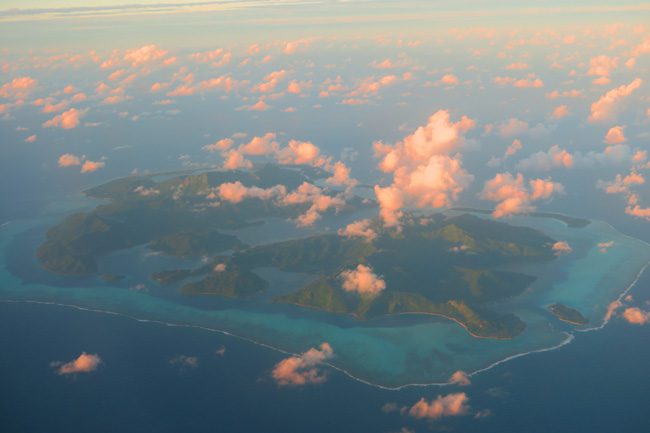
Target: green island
450 266
568 314
570 221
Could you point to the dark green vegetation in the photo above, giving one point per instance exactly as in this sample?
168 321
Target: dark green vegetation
570 221
441 266
451 266
568 314
177 216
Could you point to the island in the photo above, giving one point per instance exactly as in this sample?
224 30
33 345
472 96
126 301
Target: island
568 314
452 266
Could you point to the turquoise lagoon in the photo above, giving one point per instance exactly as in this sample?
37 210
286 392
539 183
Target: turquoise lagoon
390 352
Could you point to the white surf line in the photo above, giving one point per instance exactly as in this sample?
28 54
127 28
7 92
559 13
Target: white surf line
606 319
569 338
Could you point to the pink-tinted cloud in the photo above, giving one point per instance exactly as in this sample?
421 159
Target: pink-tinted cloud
84 363
262 145
31 139
514 197
460 378
425 172
601 67
235 192
303 369
18 88
561 247
69 160
67 120
615 135
89 166
362 280
449 80
555 157
219 146
559 112
636 316
449 405
512 127
361 229
341 176
608 106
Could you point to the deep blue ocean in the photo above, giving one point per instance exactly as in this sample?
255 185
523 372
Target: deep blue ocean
599 383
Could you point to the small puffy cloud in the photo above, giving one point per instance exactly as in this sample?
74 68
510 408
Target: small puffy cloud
607 107
31 139
262 145
219 146
84 363
341 176
69 160
371 86
89 166
561 247
67 120
442 406
184 361
460 378
615 135
299 152
146 192
602 66
362 280
292 47
449 80
604 247
360 229
297 87
545 161
18 88
219 267
559 112
234 159
303 369
512 127
636 316
270 81
235 192
513 195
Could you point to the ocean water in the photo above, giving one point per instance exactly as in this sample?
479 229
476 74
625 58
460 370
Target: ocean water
598 383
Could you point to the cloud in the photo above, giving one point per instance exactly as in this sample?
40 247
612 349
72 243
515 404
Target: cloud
561 247
605 246
607 107
89 166
514 197
425 174
512 127
300 152
270 81
68 160
602 66
371 85
262 145
219 145
449 405
615 135
449 80
235 192
559 112
362 280
341 176
84 363
184 361
18 88
636 316
460 378
545 161
67 120
360 229
303 369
